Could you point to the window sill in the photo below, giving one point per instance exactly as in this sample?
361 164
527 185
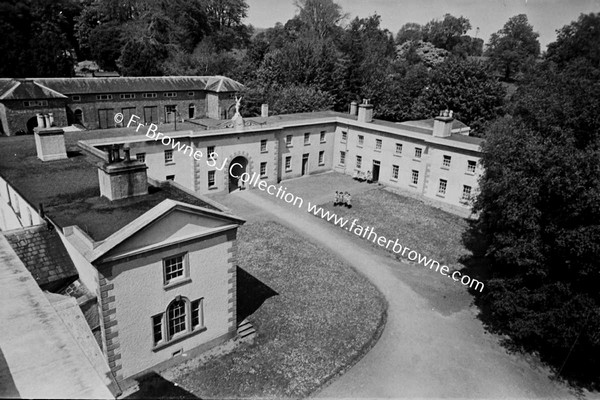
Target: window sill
288 170
378 150
446 168
264 151
213 188
322 141
307 144
394 180
289 145
264 177
177 283
417 159
170 163
360 146
397 155
178 338
470 173
322 165
440 195
412 185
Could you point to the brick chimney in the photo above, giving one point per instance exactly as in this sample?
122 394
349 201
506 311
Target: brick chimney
353 108
264 110
50 143
365 111
442 124
122 178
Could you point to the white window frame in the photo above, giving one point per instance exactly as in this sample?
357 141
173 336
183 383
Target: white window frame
321 158
358 162
307 138
288 163
141 157
395 171
446 161
443 187
263 146
322 137
288 140
184 269
471 166
414 177
418 152
169 157
361 140
263 169
378 144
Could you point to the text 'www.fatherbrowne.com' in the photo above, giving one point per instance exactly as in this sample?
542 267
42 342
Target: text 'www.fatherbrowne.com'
392 244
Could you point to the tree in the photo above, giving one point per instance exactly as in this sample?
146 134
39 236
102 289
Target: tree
409 32
465 87
320 16
538 219
513 46
37 37
579 39
447 33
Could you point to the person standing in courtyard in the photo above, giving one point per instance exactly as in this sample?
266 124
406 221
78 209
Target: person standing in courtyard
348 200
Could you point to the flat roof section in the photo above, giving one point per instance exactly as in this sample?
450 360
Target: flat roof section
39 358
69 189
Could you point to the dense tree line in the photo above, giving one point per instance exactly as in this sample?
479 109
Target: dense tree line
540 208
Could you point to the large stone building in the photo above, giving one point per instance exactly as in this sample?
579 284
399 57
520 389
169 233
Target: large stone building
93 102
157 260
153 254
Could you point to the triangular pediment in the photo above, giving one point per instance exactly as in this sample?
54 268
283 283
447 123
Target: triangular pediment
163 226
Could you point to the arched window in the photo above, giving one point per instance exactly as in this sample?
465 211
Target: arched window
78 116
181 318
176 317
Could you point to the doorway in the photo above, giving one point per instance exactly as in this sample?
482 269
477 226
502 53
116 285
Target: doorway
304 164
376 166
105 118
237 167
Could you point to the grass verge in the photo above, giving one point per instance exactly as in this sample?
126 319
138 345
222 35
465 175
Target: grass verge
324 318
432 232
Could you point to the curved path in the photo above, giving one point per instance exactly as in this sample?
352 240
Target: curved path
421 353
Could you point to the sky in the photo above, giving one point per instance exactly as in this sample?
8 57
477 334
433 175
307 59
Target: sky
489 16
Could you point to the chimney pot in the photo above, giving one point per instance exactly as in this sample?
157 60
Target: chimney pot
40 121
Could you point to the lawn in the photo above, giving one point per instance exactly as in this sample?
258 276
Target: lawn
322 319
430 231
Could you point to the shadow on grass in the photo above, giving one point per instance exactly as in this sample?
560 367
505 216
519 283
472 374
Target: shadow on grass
154 386
251 294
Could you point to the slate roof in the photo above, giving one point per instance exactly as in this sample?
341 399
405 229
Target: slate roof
11 89
87 85
44 255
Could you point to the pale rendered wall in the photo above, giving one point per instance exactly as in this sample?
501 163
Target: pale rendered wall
136 292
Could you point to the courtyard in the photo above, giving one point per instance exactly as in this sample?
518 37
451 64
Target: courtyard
432 345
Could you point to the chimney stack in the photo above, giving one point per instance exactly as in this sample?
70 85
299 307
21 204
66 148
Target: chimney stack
120 179
353 108
264 110
365 111
442 124
40 120
50 143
